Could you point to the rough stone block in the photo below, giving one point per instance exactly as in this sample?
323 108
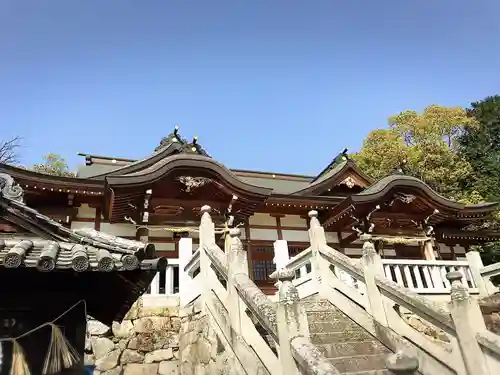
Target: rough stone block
169 368
96 328
159 355
123 329
118 370
151 324
131 356
141 369
102 346
109 361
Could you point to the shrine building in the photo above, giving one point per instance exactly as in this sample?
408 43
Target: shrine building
151 199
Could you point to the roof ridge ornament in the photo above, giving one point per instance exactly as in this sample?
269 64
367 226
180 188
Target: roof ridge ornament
10 189
184 146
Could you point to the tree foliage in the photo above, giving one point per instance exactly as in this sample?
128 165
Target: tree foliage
9 151
426 144
55 165
480 145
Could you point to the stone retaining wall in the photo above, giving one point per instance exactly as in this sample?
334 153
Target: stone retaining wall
145 343
202 353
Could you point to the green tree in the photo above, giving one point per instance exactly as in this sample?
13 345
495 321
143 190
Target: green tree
426 144
55 165
480 146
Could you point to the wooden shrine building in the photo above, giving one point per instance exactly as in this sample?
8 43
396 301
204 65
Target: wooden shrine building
52 273
139 200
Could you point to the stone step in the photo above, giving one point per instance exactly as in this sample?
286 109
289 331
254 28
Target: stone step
332 325
317 305
343 336
325 316
359 363
343 349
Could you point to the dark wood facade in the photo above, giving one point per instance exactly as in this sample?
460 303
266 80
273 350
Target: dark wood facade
169 188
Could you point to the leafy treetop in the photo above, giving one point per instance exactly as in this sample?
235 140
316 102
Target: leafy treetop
54 165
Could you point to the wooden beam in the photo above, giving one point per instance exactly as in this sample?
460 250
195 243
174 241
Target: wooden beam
344 242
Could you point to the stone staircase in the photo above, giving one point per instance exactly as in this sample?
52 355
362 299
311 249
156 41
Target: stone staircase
346 345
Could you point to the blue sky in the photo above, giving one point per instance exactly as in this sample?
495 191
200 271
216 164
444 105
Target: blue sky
267 85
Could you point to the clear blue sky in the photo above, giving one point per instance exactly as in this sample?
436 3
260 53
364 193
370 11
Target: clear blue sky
266 84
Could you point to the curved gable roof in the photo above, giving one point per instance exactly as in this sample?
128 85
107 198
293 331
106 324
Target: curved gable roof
335 176
387 185
153 169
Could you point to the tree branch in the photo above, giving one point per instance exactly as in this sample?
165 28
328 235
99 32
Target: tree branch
9 151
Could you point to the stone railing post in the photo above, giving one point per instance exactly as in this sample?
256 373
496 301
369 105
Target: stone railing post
291 320
372 266
402 364
484 285
207 238
185 254
281 256
237 263
318 240
468 321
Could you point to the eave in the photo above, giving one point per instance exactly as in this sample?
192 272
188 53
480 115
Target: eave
430 202
345 170
191 164
39 181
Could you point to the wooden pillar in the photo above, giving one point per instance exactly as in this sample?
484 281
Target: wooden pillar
97 218
279 229
429 250
249 248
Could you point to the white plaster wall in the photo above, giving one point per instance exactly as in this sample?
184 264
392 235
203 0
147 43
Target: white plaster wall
123 230
444 249
86 212
293 221
262 219
295 235
164 246
459 250
352 252
331 237
158 231
81 224
263 234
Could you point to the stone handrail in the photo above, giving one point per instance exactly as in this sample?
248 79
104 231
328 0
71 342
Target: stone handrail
218 259
284 321
400 295
491 270
462 321
258 303
490 341
193 262
310 358
299 260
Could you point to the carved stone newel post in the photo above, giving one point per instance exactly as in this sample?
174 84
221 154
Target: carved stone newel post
291 319
372 267
318 240
484 285
402 364
237 264
207 238
468 321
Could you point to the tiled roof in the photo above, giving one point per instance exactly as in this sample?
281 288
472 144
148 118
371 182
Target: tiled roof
50 246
